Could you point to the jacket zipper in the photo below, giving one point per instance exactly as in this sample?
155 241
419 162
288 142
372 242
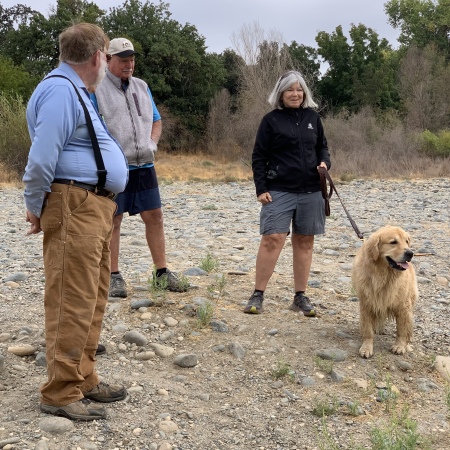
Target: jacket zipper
299 134
134 126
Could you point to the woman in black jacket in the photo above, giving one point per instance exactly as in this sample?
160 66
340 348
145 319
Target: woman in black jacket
290 145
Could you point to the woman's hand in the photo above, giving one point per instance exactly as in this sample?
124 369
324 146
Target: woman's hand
322 164
264 198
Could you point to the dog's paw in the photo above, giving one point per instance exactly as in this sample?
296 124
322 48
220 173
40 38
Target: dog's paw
398 349
366 351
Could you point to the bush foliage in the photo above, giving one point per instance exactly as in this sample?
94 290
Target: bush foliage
14 137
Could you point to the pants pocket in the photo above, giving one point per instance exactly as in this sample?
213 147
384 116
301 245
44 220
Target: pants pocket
51 216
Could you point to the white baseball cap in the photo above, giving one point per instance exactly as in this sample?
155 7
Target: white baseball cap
121 47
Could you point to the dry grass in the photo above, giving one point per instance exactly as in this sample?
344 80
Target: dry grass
8 178
174 167
200 167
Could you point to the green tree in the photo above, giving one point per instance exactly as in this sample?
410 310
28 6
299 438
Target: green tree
232 62
306 60
337 83
33 42
421 22
14 80
360 73
173 59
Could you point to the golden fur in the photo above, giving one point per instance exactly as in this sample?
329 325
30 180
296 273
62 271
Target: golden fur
385 282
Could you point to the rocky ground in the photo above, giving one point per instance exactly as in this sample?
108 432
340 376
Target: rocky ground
238 382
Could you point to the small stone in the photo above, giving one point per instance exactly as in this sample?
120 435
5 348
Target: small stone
307 382
168 426
162 350
333 354
236 349
144 356
23 350
134 337
186 360
170 321
403 365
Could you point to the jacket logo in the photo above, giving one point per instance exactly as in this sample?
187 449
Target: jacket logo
310 127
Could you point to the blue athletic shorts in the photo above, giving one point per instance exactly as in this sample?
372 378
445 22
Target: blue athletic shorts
141 193
305 212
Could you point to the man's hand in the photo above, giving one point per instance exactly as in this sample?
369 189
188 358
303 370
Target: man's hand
35 223
264 198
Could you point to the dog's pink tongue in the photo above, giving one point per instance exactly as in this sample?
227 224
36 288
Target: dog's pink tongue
403 265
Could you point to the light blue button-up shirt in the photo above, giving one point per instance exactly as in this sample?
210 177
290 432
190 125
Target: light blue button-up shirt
60 142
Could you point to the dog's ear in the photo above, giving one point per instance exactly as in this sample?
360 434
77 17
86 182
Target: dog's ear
373 247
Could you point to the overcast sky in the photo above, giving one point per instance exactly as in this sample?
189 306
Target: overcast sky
299 20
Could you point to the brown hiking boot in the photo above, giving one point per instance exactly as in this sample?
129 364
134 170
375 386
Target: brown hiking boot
301 303
80 410
105 393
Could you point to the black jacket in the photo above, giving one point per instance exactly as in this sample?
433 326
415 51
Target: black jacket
289 146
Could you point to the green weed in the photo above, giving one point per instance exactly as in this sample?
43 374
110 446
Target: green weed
282 370
324 365
325 407
216 290
205 313
209 208
399 434
209 263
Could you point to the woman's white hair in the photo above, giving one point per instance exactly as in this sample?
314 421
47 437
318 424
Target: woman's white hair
284 83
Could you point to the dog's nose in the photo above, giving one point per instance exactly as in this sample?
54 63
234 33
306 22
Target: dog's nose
409 254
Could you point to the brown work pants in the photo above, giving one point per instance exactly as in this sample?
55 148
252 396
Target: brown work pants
77 227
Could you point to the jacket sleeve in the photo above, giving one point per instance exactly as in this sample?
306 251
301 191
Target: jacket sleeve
261 155
322 145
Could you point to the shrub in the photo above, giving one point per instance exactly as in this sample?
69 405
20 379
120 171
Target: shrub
435 144
14 137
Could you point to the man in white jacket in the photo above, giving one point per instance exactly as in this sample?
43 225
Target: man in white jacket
126 104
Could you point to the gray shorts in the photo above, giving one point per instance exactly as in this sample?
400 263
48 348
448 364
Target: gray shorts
306 212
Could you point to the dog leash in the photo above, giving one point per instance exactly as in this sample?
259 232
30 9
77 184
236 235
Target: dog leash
324 177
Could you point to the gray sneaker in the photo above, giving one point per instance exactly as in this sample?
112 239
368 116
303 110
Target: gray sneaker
117 286
79 410
169 280
302 303
254 305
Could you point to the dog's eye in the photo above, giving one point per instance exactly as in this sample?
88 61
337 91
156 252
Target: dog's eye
394 242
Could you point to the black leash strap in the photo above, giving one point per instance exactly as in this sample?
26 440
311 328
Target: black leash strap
101 171
326 194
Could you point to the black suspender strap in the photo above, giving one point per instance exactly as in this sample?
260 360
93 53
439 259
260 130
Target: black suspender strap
101 171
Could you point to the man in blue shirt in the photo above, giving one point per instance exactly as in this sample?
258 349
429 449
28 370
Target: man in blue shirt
69 199
127 106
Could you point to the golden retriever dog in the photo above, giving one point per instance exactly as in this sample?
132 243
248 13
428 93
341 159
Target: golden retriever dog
385 282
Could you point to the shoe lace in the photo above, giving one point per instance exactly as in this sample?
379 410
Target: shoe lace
302 300
118 282
257 297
